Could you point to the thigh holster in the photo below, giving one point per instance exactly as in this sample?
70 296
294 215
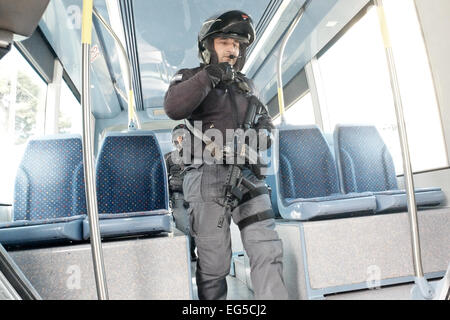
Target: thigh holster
263 215
253 194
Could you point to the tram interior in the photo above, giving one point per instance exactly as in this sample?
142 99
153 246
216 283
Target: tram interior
337 185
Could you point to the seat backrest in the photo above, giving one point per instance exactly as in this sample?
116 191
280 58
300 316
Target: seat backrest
307 168
50 180
131 174
364 161
329 139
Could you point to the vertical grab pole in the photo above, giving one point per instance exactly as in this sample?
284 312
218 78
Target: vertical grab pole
88 155
420 281
288 34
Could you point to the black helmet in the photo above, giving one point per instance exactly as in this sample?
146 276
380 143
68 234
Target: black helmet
231 24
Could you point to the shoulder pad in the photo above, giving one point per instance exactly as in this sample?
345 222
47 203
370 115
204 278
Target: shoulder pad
184 74
176 78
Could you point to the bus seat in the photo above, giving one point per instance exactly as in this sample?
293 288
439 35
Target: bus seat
49 197
132 190
306 183
330 141
365 165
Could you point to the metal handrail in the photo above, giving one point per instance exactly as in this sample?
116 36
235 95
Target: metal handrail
425 288
286 37
132 113
19 282
88 155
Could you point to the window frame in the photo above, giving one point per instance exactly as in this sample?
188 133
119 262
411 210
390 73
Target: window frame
314 72
39 55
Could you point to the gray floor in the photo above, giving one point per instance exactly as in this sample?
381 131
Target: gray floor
237 290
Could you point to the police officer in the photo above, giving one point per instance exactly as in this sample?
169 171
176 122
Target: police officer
217 94
175 171
175 167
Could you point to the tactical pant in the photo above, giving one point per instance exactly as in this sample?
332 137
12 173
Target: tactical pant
181 217
202 187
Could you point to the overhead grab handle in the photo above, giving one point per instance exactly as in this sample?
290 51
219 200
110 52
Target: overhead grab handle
286 37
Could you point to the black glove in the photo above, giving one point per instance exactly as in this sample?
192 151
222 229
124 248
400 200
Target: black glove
264 127
259 170
264 122
176 183
218 72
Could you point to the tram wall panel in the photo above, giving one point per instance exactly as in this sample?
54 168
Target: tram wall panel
143 268
347 254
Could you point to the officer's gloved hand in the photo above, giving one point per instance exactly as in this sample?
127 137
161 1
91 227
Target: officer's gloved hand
258 171
264 127
218 72
264 122
176 183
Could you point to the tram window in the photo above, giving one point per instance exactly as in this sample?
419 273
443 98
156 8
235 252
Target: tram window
69 116
422 113
357 86
22 107
301 112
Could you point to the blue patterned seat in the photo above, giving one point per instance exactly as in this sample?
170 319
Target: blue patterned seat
49 196
306 185
132 191
365 164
